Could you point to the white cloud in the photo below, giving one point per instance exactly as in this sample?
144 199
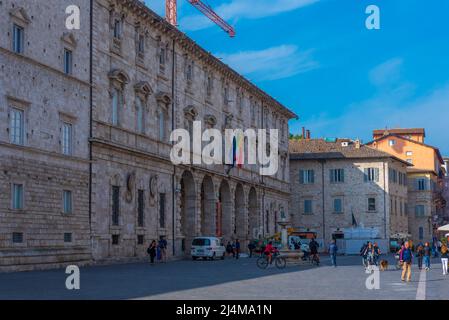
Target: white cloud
244 9
272 63
387 72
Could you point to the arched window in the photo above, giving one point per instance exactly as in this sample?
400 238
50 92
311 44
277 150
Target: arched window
140 116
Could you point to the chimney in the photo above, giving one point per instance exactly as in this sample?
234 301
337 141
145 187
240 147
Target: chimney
303 132
308 134
357 144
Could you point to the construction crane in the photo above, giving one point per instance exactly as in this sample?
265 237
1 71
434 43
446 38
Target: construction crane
171 14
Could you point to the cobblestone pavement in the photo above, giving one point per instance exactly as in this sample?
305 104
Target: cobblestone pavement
229 279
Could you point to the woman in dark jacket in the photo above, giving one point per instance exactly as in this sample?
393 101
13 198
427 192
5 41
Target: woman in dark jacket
152 251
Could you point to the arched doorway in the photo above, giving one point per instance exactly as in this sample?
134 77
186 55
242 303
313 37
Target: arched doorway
240 221
253 215
224 212
187 210
208 211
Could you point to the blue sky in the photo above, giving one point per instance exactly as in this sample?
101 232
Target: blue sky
318 59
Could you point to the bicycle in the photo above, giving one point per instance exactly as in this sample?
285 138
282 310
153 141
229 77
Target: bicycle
314 259
279 261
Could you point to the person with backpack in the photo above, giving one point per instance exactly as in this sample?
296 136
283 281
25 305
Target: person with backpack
427 253
444 257
420 254
152 251
406 257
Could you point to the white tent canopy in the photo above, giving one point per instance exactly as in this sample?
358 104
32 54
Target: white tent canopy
444 228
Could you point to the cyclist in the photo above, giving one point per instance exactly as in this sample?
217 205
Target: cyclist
269 250
313 246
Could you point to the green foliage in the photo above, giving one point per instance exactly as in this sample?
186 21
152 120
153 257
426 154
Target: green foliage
295 136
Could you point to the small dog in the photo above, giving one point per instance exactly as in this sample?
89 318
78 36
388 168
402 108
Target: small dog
383 265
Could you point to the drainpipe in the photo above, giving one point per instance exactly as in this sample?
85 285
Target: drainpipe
262 182
173 178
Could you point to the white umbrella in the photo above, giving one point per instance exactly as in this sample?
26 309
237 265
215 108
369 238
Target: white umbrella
444 228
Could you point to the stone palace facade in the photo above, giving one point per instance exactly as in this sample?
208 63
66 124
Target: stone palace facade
85 121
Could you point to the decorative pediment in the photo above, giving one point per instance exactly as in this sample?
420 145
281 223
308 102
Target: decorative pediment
69 39
143 88
190 111
210 120
163 97
20 15
119 75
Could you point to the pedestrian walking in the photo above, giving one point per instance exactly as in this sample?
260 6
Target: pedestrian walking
152 251
420 254
229 249
237 248
427 253
333 252
376 253
162 245
444 258
364 252
251 247
406 257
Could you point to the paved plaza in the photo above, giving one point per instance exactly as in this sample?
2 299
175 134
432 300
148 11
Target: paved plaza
229 279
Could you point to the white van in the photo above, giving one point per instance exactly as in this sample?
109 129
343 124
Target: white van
207 248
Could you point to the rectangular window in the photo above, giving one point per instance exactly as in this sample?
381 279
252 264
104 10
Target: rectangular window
141 44
68 60
371 204
337 175
162 56
17 237
306 176
308 207
67 139
67 201
67 237
338 205
115 205
140 239
371 174
391 142
17 196
117 29
140 207
162 210
17 126
421 184
18 39
409 153
115 239
421 233
420 210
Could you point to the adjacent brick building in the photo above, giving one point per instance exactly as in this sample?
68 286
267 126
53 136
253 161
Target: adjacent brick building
340 184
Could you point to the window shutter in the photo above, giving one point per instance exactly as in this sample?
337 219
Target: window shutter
331 176
312 176
342 175
366 175
301 176
416 184
376 174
